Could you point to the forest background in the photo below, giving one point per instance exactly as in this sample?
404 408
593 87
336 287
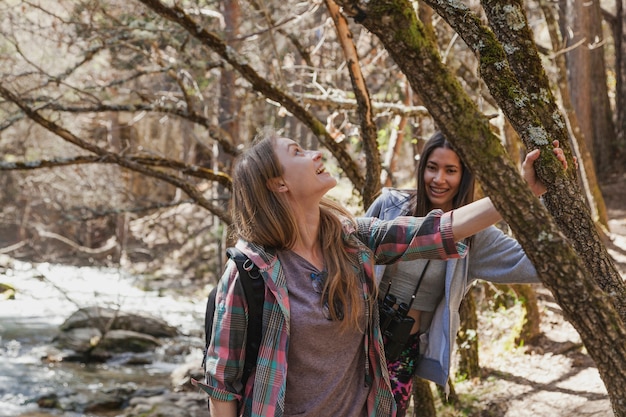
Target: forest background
120 121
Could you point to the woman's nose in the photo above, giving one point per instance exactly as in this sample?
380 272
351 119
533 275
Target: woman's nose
316 155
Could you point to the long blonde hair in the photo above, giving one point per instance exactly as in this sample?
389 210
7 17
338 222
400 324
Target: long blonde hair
266 218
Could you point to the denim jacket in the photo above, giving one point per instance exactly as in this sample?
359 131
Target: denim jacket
493 256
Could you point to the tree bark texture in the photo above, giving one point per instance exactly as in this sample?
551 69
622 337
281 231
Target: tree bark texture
587 170
561 269
587 78
467 339
423 399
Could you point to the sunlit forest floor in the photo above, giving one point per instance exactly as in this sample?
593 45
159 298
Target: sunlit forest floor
555 378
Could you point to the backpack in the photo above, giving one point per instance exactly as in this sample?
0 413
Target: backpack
254 291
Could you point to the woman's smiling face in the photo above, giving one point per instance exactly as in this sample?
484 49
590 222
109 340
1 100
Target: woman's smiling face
442 177
303 170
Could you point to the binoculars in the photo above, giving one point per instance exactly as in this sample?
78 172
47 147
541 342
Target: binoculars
394 325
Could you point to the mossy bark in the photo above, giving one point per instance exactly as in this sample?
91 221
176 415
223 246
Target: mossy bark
570 274
423 400
467 339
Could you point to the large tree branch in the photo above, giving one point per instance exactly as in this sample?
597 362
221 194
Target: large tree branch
112 157
261 85
369 132
560 267
529 105
178 166
568 206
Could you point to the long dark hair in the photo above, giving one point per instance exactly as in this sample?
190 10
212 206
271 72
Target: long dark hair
420 204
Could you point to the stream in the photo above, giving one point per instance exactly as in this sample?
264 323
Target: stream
47 294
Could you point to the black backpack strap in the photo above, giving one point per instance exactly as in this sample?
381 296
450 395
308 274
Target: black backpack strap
254 291
208 323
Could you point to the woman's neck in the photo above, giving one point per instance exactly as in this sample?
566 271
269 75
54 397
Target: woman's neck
312 253
307 244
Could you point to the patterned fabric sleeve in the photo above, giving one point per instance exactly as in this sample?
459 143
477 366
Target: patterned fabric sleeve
407 238
226 352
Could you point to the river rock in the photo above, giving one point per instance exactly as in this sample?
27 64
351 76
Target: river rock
89 345
106 319
81 339
169 404
98 334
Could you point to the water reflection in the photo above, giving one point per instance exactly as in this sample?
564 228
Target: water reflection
46 295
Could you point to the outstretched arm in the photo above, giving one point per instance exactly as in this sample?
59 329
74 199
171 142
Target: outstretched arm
474 217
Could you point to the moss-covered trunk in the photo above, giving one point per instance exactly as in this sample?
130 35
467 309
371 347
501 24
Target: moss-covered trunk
562 269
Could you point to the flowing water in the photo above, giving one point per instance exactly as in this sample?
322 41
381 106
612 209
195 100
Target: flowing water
46 295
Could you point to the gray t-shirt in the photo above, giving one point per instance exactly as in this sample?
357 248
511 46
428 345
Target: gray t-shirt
326 367
404 276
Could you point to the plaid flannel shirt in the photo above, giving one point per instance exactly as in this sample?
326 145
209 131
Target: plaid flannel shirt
377 241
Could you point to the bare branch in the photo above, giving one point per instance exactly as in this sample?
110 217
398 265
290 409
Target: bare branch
14 247
368 126
111 243
107 156
260 84
183 168
215 133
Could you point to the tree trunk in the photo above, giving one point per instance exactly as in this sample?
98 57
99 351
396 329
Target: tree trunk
229 104
229 121
118 143
587 170
423 399
451 396
619 31
467 339
587 78
570 280
531 330
394 147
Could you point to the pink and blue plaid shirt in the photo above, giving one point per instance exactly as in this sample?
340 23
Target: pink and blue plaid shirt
377 242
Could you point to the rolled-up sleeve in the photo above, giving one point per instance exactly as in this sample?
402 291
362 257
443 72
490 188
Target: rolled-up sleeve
226 351
407 238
